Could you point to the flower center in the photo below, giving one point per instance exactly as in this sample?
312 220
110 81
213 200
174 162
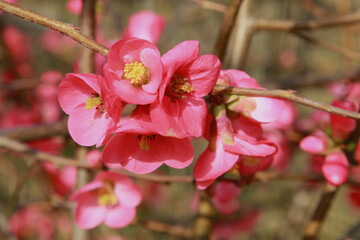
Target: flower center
143 143
95 102
177 87
137 73
251 161
106 196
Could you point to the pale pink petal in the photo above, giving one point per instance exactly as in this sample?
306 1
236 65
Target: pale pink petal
313 145
88 213
118 217
201 185
128 194
87 127
335 168
267 109
151 59
192 117
202 73
247 147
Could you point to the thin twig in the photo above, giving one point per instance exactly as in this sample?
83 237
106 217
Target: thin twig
174 230
35 132
67 29
288 25
205 216
226 28
285 94
313 227
211 5
347 53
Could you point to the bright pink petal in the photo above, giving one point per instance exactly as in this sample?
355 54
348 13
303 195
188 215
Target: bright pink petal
202 73
335 168
201 185
87 127
247 128
120 148
118 217
88 213
192 117
75 88
181 54
85 190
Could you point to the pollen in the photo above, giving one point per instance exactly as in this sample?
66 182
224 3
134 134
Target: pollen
106 196
137 73
95 102
178 87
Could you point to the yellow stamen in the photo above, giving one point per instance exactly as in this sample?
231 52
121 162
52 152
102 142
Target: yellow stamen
137 73
106 196
93 102
177 87
144 143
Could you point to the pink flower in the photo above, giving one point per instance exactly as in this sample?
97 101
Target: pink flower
17 43
134 70
225 197
93 109
180 110
342 126
140 151
225 148
145 25
317 143
32 223
93 158
111 198
336 168
260 109
74 6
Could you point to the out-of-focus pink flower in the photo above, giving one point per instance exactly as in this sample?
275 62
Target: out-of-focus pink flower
286 119
74 6
341 126
18 116
63 180
141 151
357 152
145 25
231 228
225 197
339 89
110 198
94 110
287 58
93 158
17 43
180 110
317 143
32 223
56 43
260 109
282 158
336 168
134 70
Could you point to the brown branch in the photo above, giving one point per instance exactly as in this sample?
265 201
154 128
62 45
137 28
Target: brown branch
36 131
314 9
288 26
66 29
330 46
211 5
204 220
174 230
226 28
313 227
285 94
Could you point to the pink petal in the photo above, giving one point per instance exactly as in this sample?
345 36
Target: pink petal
335 168
128 194
181 54
192 117
88 213
202 185
85 190
246 127
118 217
151 59
120 148
267 109
87 127
203 73
75 88
313 145
247 147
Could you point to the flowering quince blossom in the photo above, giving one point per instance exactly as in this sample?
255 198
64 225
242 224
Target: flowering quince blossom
225 147
111 198
141 151
94 110
134 70
224 196
180 110
145 25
